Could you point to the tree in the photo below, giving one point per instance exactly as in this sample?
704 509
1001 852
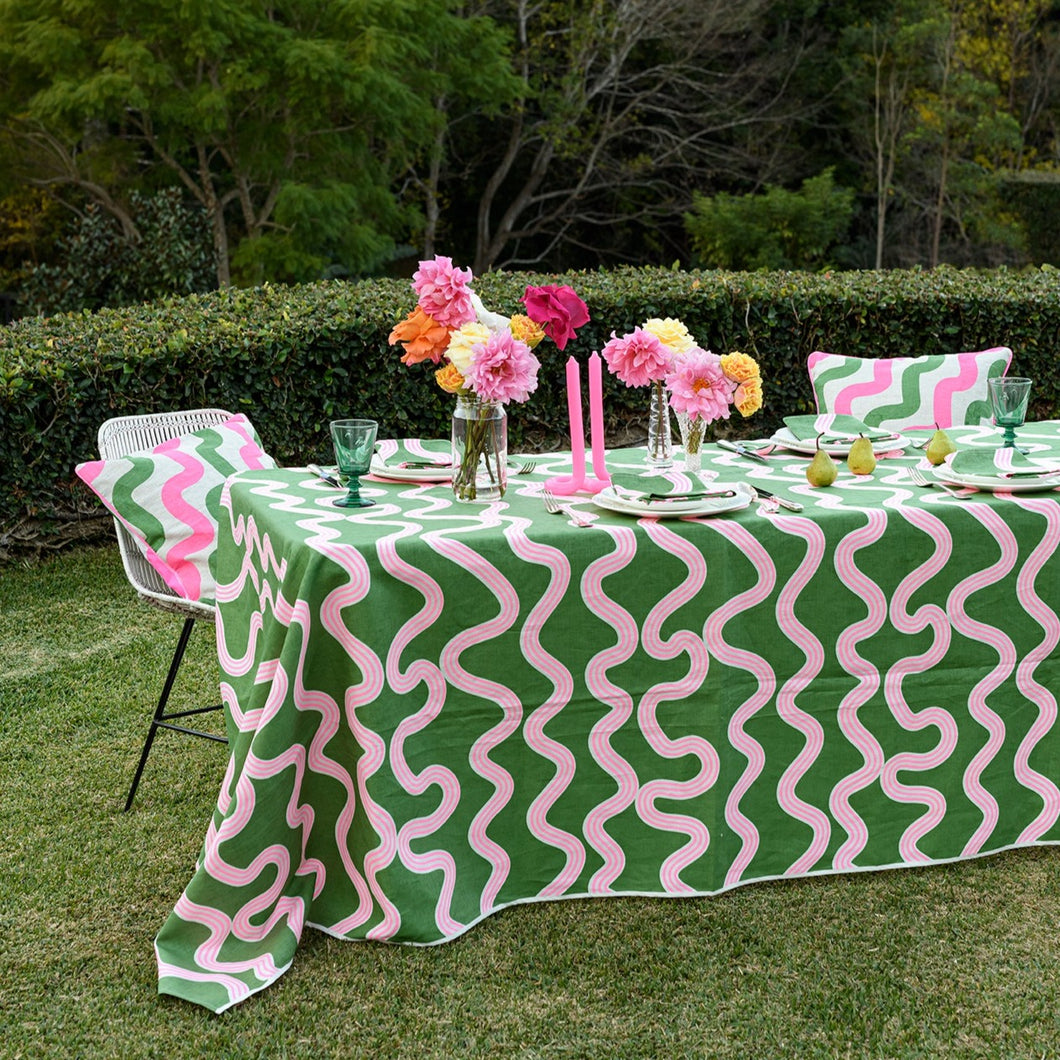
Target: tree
286 121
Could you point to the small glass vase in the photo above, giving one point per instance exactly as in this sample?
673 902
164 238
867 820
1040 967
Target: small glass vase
660 440
480 449
693 433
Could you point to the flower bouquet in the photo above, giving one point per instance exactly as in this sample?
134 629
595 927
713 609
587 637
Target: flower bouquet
702 385
483 358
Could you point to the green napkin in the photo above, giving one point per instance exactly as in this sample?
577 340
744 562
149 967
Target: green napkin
661 485
993 462
835 428
418 450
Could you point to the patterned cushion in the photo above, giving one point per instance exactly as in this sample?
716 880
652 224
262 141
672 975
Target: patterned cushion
900 393
168 498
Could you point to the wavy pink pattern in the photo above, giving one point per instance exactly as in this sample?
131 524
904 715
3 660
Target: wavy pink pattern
681 643
797 718
1026 682
617 699
868 683
556 562
882 375
945 389
754 664
927 615
201 533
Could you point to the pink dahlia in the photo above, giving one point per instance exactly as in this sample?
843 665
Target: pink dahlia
638 358
698 386
503 369
557 309
442 292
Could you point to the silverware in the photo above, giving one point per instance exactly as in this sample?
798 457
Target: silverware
693 496
743 450
792 506
327 476
918 479
419 465
525 468
555 507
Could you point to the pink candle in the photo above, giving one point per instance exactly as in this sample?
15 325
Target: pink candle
596 418
574 409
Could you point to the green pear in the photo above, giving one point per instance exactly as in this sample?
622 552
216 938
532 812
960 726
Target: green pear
940 447
822 470
861 459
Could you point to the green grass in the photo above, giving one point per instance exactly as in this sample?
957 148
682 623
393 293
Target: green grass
953 961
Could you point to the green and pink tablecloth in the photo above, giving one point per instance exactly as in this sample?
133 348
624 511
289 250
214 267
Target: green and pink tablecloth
437 709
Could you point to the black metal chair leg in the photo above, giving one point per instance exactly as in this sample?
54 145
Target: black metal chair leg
162 720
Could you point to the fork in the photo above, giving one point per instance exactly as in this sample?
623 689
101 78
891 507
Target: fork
554 507
918 479
525 468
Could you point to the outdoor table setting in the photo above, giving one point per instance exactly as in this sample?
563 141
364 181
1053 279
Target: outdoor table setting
630 672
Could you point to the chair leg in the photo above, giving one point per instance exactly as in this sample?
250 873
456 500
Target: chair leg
161 718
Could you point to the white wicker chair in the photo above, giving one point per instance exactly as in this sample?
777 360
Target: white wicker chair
128 434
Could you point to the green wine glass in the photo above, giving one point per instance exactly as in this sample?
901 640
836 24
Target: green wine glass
354 442
1008 400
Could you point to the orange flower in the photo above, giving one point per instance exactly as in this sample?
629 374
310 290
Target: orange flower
449 379
525 330
748 396
422 336
739 367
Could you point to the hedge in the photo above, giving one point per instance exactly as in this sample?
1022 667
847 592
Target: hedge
294 358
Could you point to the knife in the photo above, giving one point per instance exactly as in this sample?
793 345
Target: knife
693 496
743 450
327 476
423 464
792 506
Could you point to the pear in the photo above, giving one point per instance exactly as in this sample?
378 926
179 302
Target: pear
861 459
822 470
939 447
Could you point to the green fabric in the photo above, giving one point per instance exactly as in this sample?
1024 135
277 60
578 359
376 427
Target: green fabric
645 485
839 428
400 450
1000 461
438 709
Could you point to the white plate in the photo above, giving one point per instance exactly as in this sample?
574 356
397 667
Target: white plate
607 498
410 474
991 484
787 440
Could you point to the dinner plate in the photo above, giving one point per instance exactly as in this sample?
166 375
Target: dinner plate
786 440
992 483
609 499
381 469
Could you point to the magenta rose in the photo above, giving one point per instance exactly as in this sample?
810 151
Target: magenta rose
557 309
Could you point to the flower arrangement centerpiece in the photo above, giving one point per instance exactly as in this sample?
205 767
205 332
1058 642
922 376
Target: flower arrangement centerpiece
700 386
483 358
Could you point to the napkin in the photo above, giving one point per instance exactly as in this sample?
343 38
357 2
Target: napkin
833 427
674 484
394 452
998 462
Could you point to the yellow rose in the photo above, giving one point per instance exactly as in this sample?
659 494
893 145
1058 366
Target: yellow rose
748 396
525 330
461 341
671 333
449 379
739 367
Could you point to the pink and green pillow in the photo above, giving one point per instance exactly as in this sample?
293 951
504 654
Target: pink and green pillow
903 393
169 498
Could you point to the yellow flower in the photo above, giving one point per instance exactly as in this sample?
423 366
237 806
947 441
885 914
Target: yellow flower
739 367
461 341
748 396
671 333
525 330
449 379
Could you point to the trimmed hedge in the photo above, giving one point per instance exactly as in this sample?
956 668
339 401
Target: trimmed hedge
295 358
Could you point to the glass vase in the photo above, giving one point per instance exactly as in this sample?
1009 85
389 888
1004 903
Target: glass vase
660 441
480 449
693 431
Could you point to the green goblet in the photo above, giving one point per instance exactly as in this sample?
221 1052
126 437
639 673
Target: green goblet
1008 399
354 442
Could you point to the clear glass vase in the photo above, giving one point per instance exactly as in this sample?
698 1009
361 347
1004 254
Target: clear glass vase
693 432
480 449
660 439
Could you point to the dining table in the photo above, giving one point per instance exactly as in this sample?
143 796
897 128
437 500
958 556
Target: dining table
438 709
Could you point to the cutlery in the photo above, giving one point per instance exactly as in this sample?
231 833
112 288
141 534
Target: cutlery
554 507
421 464
792 506
743 450
327 476
693 496
526 468
918 478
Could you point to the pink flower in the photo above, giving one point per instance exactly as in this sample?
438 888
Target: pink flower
503 369
557 309
699 387
442 292
638 358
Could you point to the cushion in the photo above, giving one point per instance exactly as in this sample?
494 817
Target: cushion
902 393
168 498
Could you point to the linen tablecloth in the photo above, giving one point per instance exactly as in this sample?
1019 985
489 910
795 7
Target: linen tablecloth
437 709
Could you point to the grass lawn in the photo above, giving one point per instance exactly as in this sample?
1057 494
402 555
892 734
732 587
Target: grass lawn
952 961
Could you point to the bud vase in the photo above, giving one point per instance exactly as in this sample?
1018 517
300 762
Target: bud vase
692 432
480 449
660 441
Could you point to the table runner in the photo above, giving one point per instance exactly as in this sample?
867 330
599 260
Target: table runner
438 710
